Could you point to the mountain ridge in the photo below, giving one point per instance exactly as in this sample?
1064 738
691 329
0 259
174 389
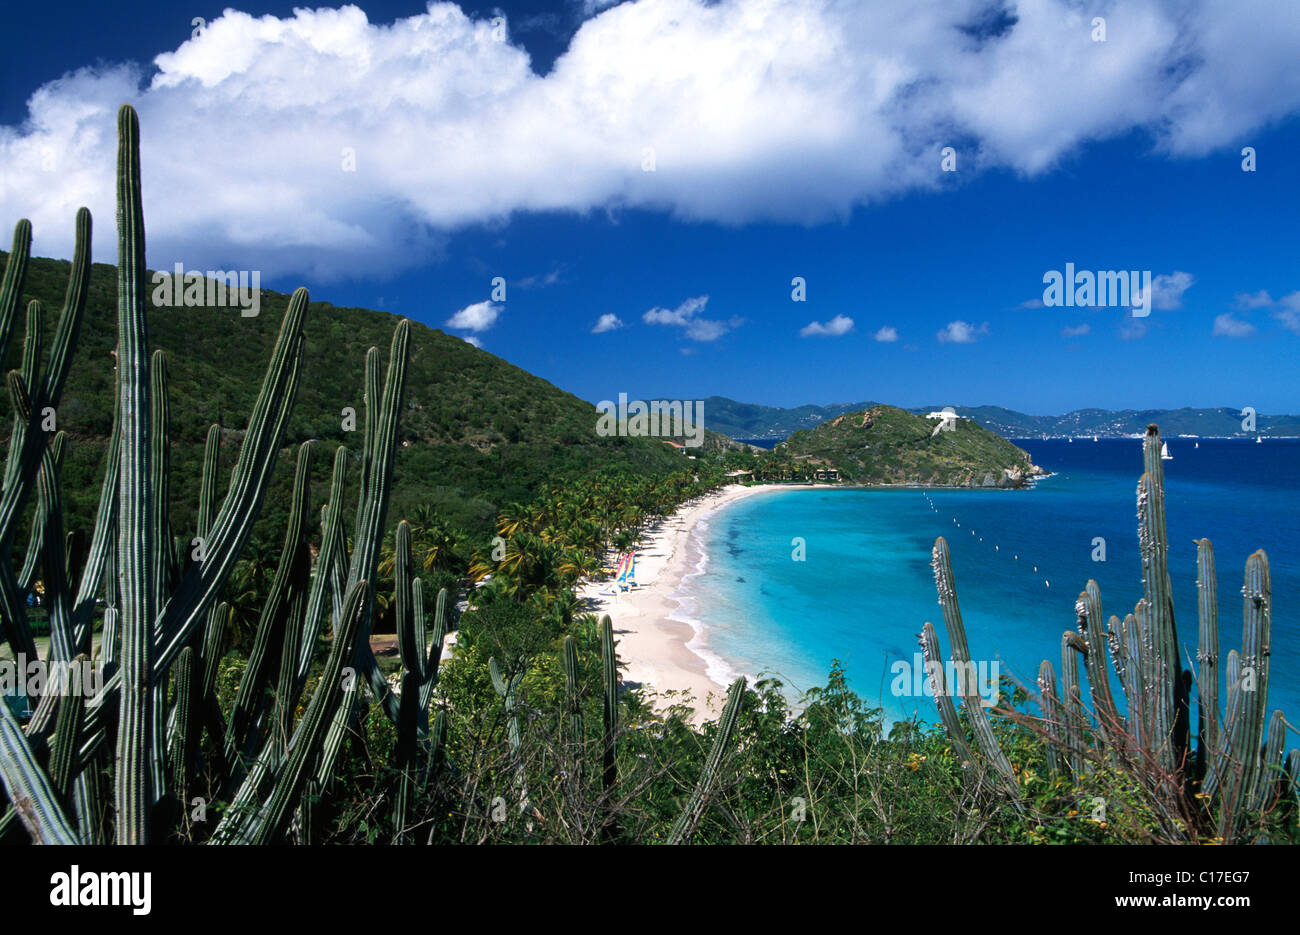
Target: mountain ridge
752 421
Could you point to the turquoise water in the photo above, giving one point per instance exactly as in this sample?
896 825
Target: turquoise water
865 586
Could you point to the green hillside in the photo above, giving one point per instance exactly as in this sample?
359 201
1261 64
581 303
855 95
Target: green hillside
478 432
885 445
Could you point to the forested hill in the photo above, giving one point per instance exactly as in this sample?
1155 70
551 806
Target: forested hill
477 431
892 446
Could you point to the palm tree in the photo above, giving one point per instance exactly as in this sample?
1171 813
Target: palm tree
249 583
436 548
513 518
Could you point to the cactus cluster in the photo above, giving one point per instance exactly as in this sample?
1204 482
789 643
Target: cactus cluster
418 680
137 739
573 732
1236 762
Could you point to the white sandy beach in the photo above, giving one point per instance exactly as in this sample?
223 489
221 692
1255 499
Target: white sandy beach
655 649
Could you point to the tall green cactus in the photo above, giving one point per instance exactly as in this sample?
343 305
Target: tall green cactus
1165 670
943 695
335 688
1053 718
941 562
508 688
1207 655
32 394
278 624
571 690
684 828
1257 612
419 675
609 682
1095 648
136 536
609 758
1073 723
1241 771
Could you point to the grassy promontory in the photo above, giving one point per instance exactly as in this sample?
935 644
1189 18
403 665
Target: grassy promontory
886 445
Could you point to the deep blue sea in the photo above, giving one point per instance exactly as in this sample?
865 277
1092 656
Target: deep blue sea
1020 559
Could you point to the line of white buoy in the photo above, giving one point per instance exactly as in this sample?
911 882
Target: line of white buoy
996 548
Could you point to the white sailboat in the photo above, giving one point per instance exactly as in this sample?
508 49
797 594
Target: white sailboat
1164 452
1259 439
1197 445
1094 438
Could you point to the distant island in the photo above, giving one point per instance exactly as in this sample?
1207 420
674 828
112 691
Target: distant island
752 422
887 445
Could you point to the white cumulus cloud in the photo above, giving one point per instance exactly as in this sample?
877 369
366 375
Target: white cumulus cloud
324 144
1167 289
680 315
1228 326
1285 310
1288 312
477 317
840 324
961 332
686 316
1249 300
607 322
886 334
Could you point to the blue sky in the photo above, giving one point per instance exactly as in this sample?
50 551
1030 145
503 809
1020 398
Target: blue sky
816 154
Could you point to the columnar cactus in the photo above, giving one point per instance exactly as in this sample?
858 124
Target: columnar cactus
1207 656
975 712
136 535
609 682
32 796
1053 719
1238 764
684 827
1164 676
508 689
1073 722
335 688
943 694
571 691
419 675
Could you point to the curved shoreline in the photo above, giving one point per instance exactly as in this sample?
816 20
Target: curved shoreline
660 650
662 644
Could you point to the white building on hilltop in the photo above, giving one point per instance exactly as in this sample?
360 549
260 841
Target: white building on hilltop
947 420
